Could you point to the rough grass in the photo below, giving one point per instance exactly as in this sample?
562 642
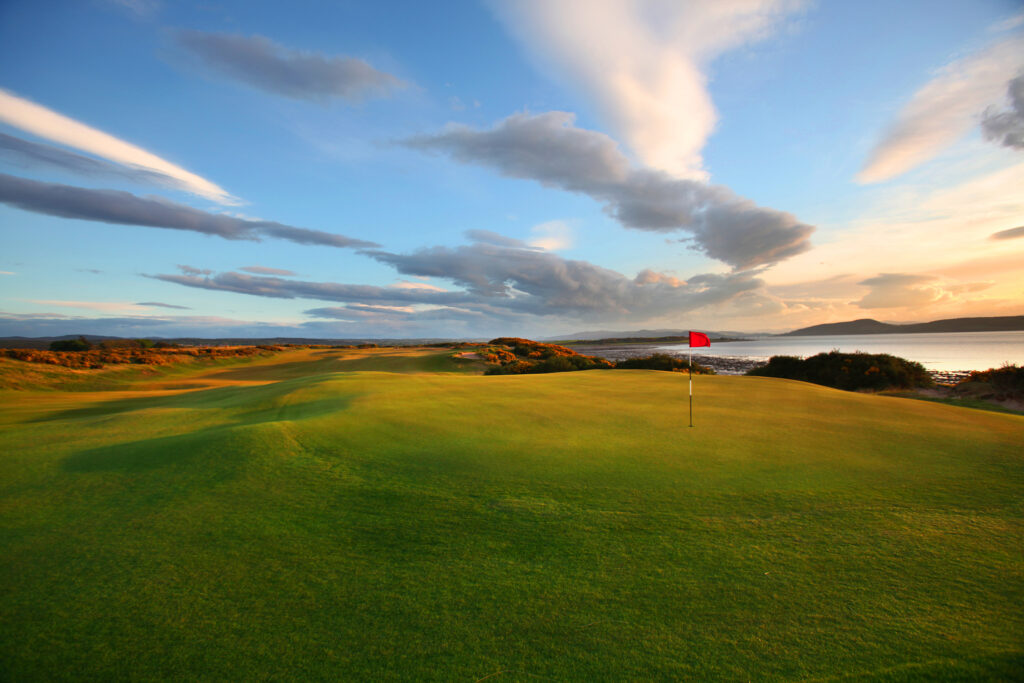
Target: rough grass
363 515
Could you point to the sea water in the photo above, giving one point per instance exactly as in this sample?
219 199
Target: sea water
946 351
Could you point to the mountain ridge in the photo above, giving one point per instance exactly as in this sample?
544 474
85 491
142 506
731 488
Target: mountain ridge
1007 323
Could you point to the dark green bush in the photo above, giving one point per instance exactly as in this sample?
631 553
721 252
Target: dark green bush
662 361
1006 381
850 371
80 344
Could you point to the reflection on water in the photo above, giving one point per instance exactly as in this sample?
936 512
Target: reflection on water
941 351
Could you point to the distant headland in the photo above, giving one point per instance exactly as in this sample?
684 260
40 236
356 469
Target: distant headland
1008 323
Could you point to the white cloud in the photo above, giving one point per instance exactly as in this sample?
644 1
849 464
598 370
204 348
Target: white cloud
944 109
405 284
1009 23
46 123
644 62
551 236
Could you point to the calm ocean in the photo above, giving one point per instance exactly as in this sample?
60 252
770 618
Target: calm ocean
944 351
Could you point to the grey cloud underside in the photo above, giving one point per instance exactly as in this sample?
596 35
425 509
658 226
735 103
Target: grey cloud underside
33 155
549 149
1012 233
263 64
124 208
263 270
278 288
159 304
489 237
1007 127
501 281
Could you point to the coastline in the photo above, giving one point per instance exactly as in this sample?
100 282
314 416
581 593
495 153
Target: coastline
722 365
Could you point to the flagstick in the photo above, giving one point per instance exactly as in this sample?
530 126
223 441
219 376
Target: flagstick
691 386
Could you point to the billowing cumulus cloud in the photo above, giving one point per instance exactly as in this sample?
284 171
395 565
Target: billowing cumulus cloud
48 124
644 62
124 208
548 148
499 281
543 283
944 109
266 65
1007 127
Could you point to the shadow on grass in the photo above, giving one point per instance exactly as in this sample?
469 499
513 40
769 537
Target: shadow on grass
219 398
217 446
151 454
959 402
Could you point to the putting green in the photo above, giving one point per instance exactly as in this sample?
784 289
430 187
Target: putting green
369 514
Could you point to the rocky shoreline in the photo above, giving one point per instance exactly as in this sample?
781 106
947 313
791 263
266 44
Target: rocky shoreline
722 365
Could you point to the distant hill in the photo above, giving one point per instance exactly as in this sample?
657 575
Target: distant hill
869 326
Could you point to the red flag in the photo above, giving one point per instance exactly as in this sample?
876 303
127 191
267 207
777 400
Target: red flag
698 339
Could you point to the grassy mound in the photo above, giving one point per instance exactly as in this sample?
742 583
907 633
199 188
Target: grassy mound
849 371
372 514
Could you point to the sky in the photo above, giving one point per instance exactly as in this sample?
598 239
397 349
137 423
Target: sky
535 168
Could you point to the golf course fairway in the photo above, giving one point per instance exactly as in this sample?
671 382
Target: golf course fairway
388 514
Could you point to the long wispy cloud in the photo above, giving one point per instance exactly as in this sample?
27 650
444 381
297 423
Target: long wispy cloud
264 270
497 280
46 123
550 149
261 63
644 62
1011 234
124 208
27 154
944 109
160 304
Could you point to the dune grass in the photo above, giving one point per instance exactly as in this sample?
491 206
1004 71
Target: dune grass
388 514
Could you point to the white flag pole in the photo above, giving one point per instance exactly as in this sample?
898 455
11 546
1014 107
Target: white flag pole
691 386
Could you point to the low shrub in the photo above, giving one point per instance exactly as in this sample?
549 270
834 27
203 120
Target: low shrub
662 361
517 356
80 344
94 358
850 371
1005 382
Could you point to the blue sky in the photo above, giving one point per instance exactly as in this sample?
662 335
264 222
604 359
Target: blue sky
475 169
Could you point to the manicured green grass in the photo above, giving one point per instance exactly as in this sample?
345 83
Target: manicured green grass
378 515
